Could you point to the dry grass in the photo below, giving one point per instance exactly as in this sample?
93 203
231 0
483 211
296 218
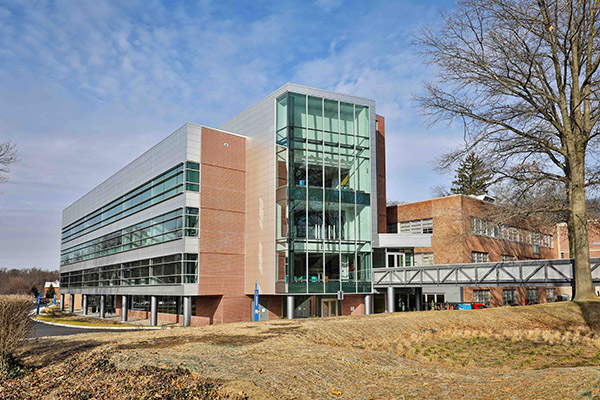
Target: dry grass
546 351
15 325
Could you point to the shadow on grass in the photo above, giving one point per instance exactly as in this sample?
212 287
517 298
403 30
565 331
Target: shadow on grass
220 339
39 354
590 311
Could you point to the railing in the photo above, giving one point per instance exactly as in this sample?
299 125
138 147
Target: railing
516 273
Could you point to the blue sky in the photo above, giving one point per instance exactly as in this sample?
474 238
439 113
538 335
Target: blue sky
85 87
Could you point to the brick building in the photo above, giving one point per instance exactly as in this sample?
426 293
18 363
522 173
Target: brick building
462 232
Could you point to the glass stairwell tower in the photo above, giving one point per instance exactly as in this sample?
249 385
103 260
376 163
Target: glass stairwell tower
323 195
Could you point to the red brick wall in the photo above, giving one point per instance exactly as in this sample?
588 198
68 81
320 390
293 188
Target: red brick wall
452 242
222 193
496 299
562 243
381 180
356 301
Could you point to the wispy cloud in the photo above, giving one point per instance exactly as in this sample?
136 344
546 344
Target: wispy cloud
86 86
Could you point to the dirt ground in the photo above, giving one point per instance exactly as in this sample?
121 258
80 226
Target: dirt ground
549 351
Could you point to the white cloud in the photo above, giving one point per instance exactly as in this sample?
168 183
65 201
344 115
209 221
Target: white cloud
86 86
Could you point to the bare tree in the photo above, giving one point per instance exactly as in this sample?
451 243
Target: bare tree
8 155
522 76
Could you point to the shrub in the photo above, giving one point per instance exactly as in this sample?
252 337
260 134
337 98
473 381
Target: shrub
15 325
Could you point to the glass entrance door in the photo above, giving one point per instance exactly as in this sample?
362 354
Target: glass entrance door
329 308
395 260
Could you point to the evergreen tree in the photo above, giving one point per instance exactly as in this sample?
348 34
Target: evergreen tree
472 177
34 291
50 292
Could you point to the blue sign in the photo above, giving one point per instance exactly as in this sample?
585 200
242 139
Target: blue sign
256 301
55 299
38 305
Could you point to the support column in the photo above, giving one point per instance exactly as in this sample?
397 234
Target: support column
153 310
187 311
84 304
368 298
419 298
290 307
124 309
391 300
71 302
62 302
102 306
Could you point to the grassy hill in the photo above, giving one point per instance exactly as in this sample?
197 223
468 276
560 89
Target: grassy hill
544 351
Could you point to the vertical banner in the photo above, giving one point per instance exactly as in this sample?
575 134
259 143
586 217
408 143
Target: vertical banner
256 301
38 305
54 298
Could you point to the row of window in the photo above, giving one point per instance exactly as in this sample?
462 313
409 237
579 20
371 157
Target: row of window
481 257
486 228
172 269
419 226
158 189
165 227
331 120
165 304
509 296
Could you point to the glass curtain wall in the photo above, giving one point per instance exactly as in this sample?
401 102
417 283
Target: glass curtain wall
323 195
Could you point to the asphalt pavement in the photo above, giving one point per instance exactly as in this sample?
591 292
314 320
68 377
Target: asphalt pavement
40 330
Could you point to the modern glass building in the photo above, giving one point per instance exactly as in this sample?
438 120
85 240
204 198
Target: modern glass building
288 197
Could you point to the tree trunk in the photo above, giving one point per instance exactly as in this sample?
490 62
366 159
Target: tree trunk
578 235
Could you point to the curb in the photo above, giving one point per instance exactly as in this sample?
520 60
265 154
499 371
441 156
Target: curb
116 328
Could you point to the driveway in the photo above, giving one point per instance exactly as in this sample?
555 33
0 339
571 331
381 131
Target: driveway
39 330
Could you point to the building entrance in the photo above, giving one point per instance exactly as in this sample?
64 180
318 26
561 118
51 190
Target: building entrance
329 308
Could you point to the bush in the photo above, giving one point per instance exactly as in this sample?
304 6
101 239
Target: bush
15 325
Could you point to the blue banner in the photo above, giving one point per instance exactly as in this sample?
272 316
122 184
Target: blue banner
256 301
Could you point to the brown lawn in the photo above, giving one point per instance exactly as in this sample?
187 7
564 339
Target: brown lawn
547 351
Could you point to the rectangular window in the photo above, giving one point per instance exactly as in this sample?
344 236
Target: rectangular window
532 296
550 294
479 257
420 226
509 297
481 296
423 259
506 257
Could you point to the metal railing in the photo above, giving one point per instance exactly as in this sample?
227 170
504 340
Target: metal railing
514 273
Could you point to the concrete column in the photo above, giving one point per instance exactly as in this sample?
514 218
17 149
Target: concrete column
153 310
187 311
84 302
290 307
419 298
391 300
62 302
124 309
368 306
102 306
71 302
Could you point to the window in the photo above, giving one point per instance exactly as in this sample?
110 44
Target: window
506 257
481 296
423 259
536 249
532 296
509 297
479 257
550 294
481 227
392 228
421 226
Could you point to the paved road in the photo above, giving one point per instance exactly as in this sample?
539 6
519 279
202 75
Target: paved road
39 330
